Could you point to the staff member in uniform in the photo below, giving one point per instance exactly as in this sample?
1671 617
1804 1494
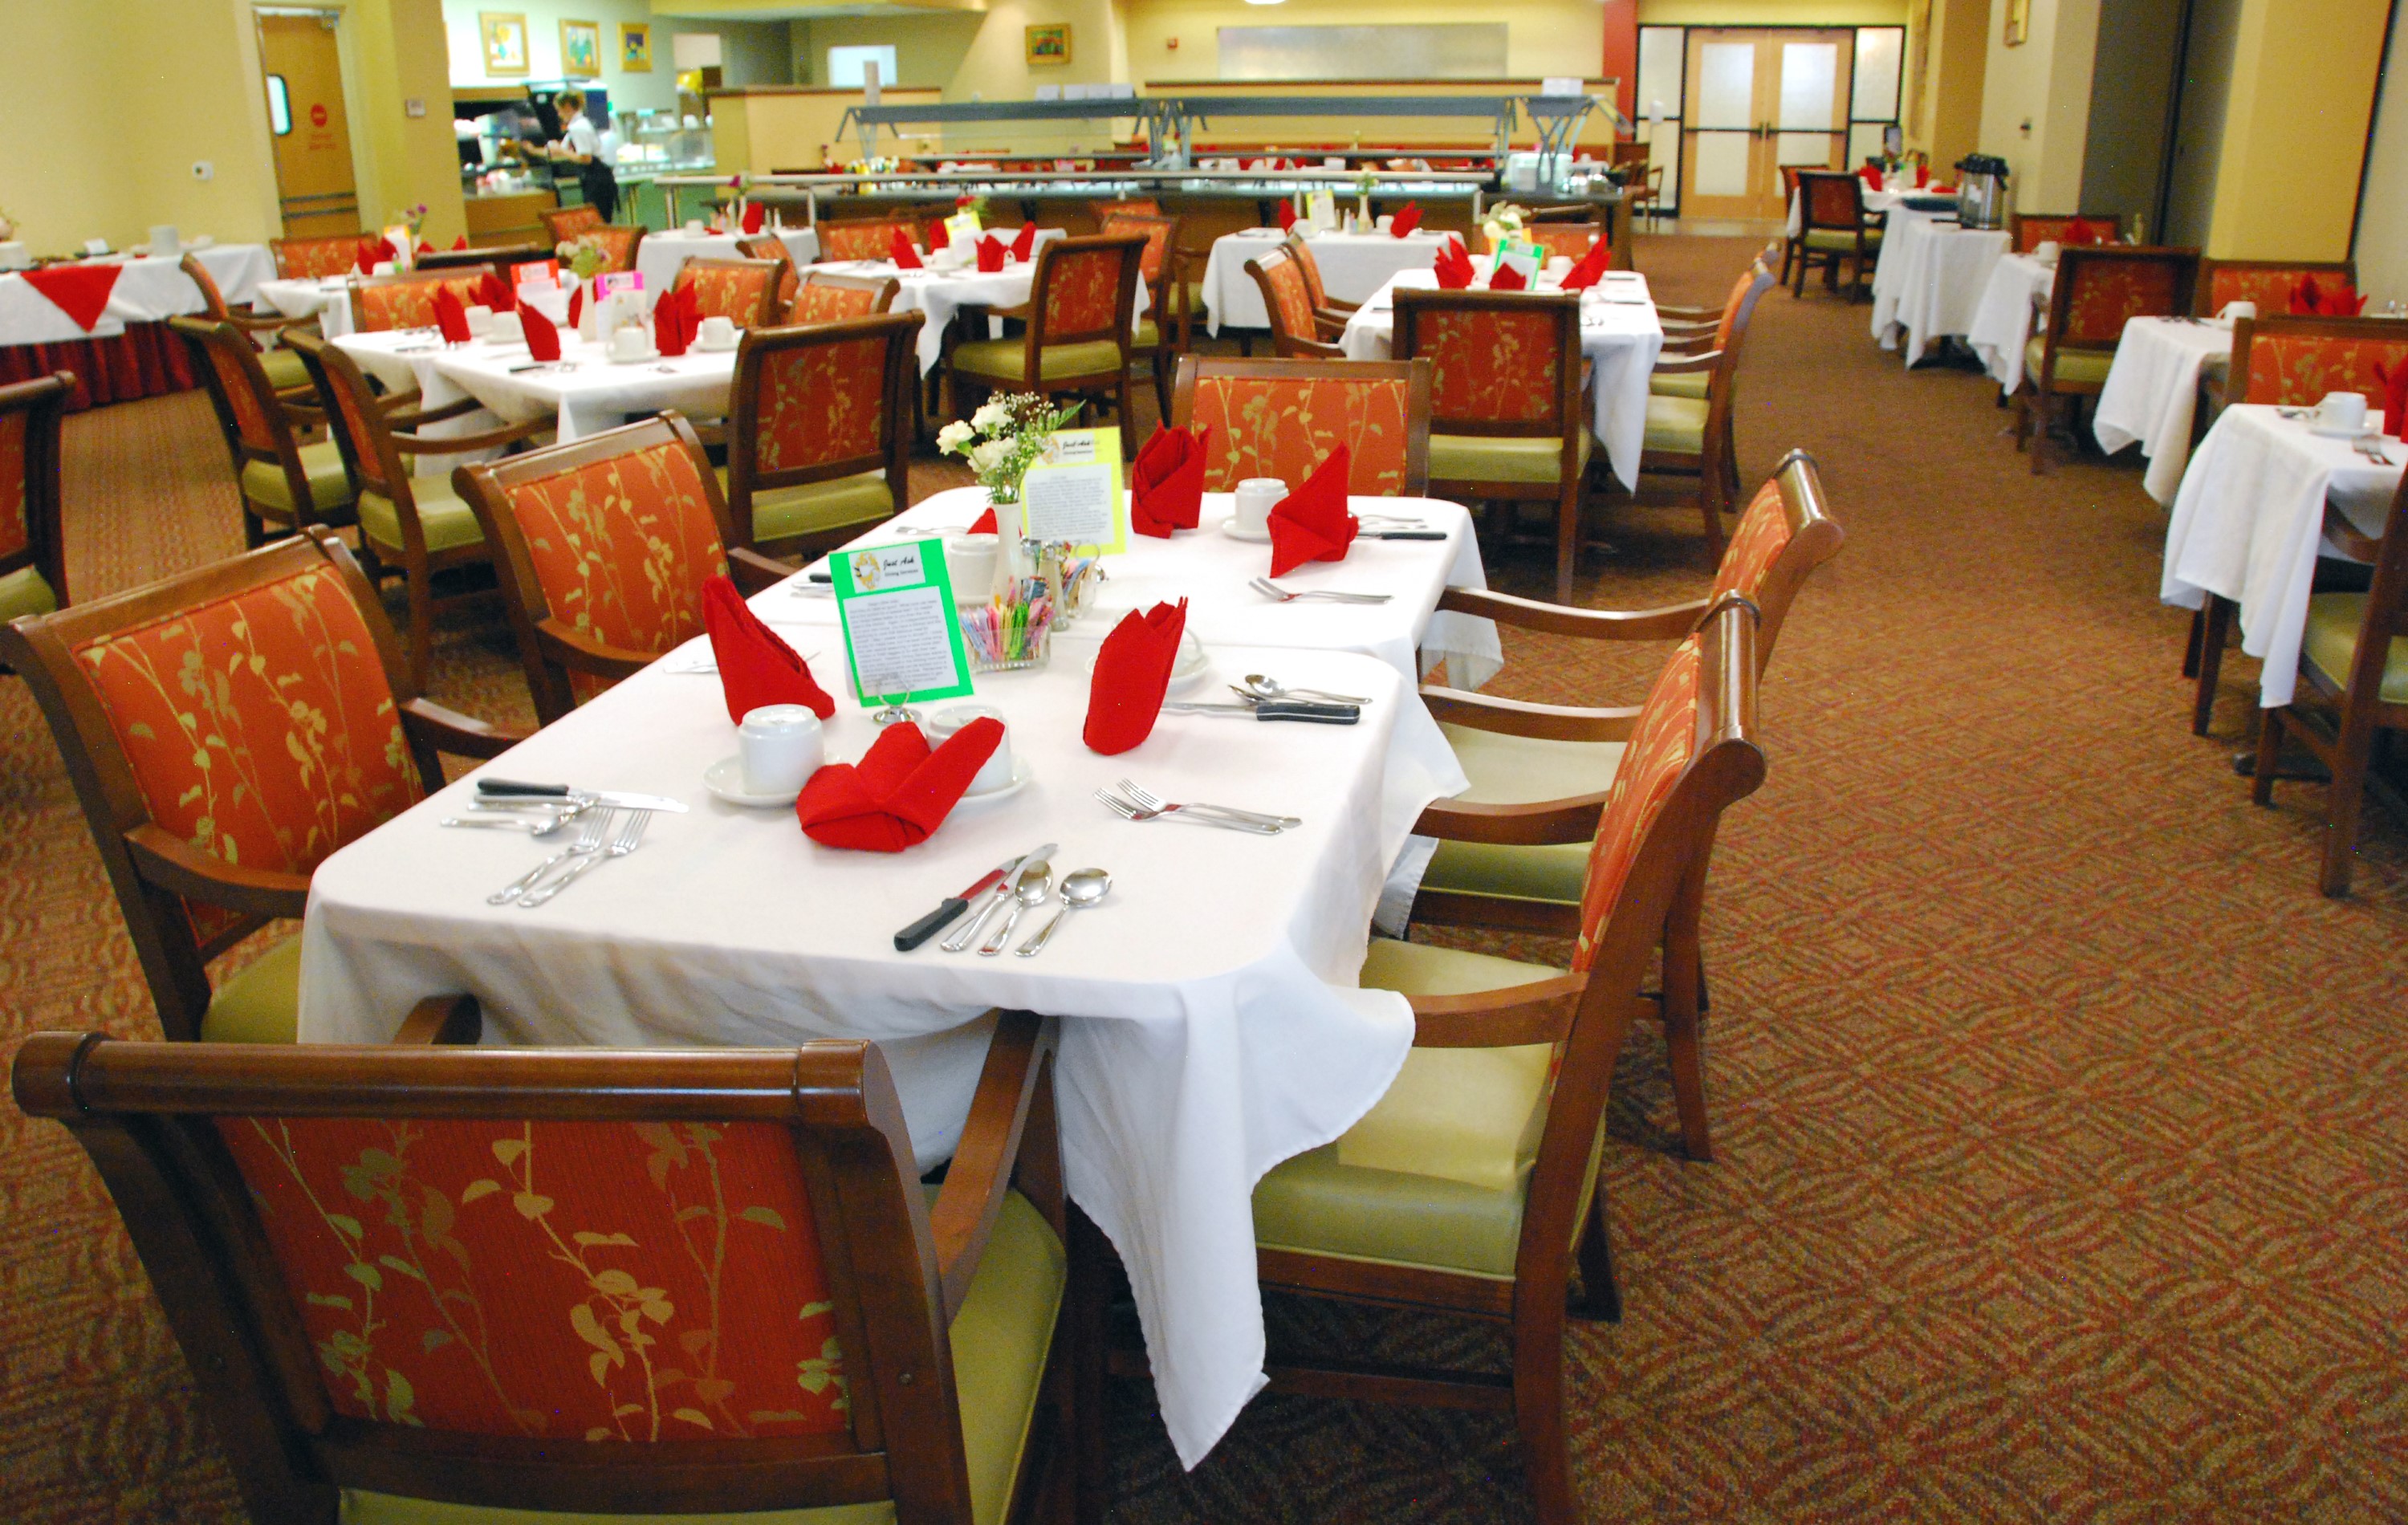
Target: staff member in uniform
580 144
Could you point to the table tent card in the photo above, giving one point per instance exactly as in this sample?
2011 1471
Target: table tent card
902 640
1072 494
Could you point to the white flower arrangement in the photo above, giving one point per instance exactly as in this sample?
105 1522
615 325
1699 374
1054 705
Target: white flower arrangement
1004 438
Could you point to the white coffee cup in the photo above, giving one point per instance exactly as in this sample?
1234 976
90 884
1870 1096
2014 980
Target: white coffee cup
781 745
718 332
1191 652
697 228
2342 411
952 717
1257 496
2046 252
507 328
165 241
630 343
969 562
2235 311
480 322
1558 266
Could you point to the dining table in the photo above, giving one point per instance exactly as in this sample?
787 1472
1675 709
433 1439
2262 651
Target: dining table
662 254
2012 297
2151 395
1621 337
1928 281
1353 266
583 393
149 288
950 291
2248 524
1212 1022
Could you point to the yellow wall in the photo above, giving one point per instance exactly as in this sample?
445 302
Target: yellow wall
755 50
983 54
2294 128
2036 101
1953 38
1542 36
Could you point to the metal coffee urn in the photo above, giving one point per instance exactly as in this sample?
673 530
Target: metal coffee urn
1982 191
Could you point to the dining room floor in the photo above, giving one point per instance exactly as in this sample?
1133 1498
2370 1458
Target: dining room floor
2061 1132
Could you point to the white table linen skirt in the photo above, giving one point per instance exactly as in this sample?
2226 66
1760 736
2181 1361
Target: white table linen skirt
662 254
1929 281
148 290
2150 397
1353 266
2004 318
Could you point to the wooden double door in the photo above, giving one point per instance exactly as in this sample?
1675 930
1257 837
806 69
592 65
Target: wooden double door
1759 100
302 67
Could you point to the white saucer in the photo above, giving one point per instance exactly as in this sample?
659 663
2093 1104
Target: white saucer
1229 528
1020 773
1185 674
699 347
724 779
645 359
2354 431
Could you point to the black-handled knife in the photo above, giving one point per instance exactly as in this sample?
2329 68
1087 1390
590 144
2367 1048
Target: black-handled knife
1401 535
1326 714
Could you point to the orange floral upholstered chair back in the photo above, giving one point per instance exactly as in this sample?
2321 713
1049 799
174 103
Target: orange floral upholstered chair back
2030 232
2103 290
1286 427
2294 362
820 299
1308 266
1569 240
1158 230
1762 535
769 246
1490 364
14 534
603 1283
314 259
236 387
1663 741
33 571
618 245
868 238
392 302
1832 200
566 223
1291 302
1081 292
821 404
2267 285
736 290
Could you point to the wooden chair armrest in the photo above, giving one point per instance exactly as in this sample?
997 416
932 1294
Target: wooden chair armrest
1670 621
449 730
1703 360
582 653
2349 538
710 431
299 415
1688 315
1021 313
256 324
391 403
1543 823
1327 324
174 865
1523 717
1507 1018
752 572
1338 306
450 1020
1017 1071
411 417
419 444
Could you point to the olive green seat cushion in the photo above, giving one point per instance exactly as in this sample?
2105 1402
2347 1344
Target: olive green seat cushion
1517 770
1003 359
23 592
811 507
1679 383
447 521
2334 621
1835 241
2080 368
999 1340
260 1002
1676 425
1478 457
330 483
284 370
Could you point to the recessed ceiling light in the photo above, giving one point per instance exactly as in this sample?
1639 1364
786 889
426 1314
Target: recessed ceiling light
1266 2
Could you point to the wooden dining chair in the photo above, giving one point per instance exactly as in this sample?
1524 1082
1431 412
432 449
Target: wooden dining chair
282 365
286 486
1791 240
1298 332
769 246
1328 312
1124 207
211 801
1514 846
2028 231
315 259
411 525
1573 240
819 431
1472 1187
1282 418
1693 402
2355 657
33 550
603 547
384 302
2267 282
826 296
1834 229
429 1281
2098 290
1161 335
561 223
2282 361
742 291
617 241
1079 314
865 237
1508 401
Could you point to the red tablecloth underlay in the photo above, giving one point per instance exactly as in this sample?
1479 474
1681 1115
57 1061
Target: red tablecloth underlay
145 360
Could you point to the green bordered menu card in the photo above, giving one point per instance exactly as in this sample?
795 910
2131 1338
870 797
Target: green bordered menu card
1072 494
902 640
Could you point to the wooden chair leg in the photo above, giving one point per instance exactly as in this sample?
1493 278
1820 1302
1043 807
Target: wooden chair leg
1162 387
2345 799
2041 410
2215 629
2191 646
422 626
1568 537
1600 1295
2270 755
1091 1259
1538 1411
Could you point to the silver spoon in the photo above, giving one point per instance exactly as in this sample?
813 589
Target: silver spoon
1033 884
1080 889
1262 687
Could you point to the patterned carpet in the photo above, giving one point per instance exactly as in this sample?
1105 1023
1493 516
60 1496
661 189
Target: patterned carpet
2062 1127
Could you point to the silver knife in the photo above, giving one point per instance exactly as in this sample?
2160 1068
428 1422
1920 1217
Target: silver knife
1003 893
504 788
953 905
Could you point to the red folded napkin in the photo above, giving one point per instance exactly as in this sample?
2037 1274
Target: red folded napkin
452 316
1870 176
2341 301
990 253
937 237
1406 221
2395 398
1453 266
425 247
459 243
370 251
755 215
1590 268
1311 523
1023 243
575 303
1166 482
755 665
542 338
675 321
1503 276
2080 233
1132 673
493 292
1922 176
899 792
1286 218
79 291
899 249
984 524
1943 190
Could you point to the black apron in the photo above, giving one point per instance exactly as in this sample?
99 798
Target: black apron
601 188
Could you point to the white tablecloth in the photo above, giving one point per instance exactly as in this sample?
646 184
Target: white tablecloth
1929 279
1353 266
327 299
2248 521
660 256
1620 335
148 290
1212 1026
2002 319
942 294
2151 393
597 393
1875 201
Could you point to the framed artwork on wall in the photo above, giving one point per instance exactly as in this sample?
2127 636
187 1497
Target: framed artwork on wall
636 47
2018 22
1048 44
506 42
580 49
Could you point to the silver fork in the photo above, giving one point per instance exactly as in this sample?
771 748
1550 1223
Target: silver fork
631 831
589 840
1147 799
1269 589
1129 812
